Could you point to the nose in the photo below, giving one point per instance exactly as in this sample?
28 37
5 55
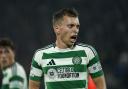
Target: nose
3 56
76 30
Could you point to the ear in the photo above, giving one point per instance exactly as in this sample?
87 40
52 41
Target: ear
57 29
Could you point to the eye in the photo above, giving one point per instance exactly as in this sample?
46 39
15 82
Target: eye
6 50
1 51
70 25
78 26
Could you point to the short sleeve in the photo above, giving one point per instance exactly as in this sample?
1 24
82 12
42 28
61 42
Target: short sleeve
94 65
36 69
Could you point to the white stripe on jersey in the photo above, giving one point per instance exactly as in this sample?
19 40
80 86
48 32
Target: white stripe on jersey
82 76
35 72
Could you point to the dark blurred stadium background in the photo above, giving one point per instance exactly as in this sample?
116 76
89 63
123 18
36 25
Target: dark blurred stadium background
104 25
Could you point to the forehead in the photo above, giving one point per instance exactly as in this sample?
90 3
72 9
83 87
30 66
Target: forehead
73 20
5 48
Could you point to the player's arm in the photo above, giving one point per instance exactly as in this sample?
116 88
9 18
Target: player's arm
35 76
95 69
98 76
36 73
100 82
34 84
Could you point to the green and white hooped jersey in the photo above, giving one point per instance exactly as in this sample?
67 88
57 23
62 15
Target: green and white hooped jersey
14 77
65 68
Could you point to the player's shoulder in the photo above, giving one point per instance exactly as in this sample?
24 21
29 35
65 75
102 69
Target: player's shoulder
84 45
47 47
87 46
19 66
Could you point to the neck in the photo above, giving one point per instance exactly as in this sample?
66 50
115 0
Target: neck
62 45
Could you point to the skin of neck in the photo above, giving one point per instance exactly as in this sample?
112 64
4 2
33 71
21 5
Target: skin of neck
62 45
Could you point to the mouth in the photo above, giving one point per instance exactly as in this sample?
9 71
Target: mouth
73 38
4 61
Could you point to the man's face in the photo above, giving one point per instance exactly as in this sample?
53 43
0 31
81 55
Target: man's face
6 57
68 30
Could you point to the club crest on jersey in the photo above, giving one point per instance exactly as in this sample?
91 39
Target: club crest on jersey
76 60
52 73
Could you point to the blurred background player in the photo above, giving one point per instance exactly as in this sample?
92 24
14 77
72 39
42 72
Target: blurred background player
14 76
91 84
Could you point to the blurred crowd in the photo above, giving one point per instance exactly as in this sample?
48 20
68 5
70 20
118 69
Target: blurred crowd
104 25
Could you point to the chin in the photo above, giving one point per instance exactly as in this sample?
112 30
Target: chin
71 44
5 65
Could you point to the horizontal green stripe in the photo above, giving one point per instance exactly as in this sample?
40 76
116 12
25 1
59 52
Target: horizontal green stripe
80 53
97 74
5 86
14 88
66 84
35 78
77 68
35 64
18 78
93 61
